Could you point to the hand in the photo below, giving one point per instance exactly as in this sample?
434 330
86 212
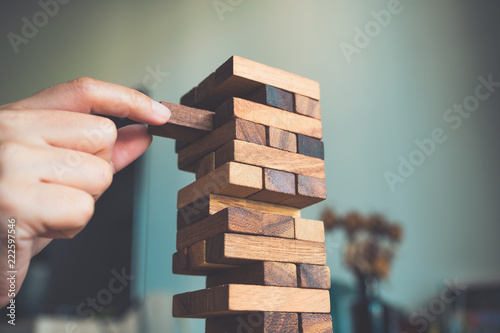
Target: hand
57 158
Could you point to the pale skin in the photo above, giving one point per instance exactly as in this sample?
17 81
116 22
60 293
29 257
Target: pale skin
57 156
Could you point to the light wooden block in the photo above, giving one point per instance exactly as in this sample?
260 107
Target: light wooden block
231 179
307 106
265 273
315 323
310 230
236 249
268 116
236 220
313 276
281 139
188 158
272 158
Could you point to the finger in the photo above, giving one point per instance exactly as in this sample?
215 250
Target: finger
64 129
30 164
132 142
88 95
51 210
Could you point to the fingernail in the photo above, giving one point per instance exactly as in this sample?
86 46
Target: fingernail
161 110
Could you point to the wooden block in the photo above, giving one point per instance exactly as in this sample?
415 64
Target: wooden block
214 203
236 220
280 139
206 87
232 179
313 276
189 99
267 157
272 96
237 298
186 124
309 230
310 190
310 146
267 115
198 259
179 145
278 186
207 165
180 265
180 305
255 322
315 323
239 249
265 273
307 106
236 129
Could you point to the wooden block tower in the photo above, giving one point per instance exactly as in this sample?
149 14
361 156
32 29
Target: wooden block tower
252 135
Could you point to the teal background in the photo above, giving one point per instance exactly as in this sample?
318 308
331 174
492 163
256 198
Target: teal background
393 92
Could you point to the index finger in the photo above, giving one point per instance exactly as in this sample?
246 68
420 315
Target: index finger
88 95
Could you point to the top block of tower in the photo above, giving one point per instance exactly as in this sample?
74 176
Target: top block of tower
238 77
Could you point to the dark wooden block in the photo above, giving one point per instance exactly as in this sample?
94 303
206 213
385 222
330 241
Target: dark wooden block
307 106
315 323
310 146
278 186
255 322
310 190
236 129
207 165
180 305
264 273
281 139
189 99
313 276
274 97
179 145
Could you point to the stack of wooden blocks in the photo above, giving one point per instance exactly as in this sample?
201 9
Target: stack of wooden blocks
252 134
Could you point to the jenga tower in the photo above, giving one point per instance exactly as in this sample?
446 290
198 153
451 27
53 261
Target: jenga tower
252 134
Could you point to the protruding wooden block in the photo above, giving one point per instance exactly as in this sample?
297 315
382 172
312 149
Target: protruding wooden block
255 322
313 276
187 124
189 98
307 106
180 305
237 129
281 139
237 298
309 230
310 190
179 145
278 186
310 146
232 179
214 203
197 255
207 165
239 77
272 158
269 116
236 249
236 220
274 97
265 273
315 323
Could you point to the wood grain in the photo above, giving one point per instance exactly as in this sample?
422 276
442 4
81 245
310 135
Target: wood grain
255 322
214 203
307 106
269 116
238 298
232 179
315 323
310 146
267 157
278 186
239 249
198 260
235 129
273 96
310 190
207 165
313 276
186 123
280 139
236 220
180 264
265 273
310 230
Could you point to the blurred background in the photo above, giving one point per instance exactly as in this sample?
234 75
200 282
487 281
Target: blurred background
379 94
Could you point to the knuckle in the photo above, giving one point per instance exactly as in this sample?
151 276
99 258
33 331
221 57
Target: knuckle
83 84
105 176
85 210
